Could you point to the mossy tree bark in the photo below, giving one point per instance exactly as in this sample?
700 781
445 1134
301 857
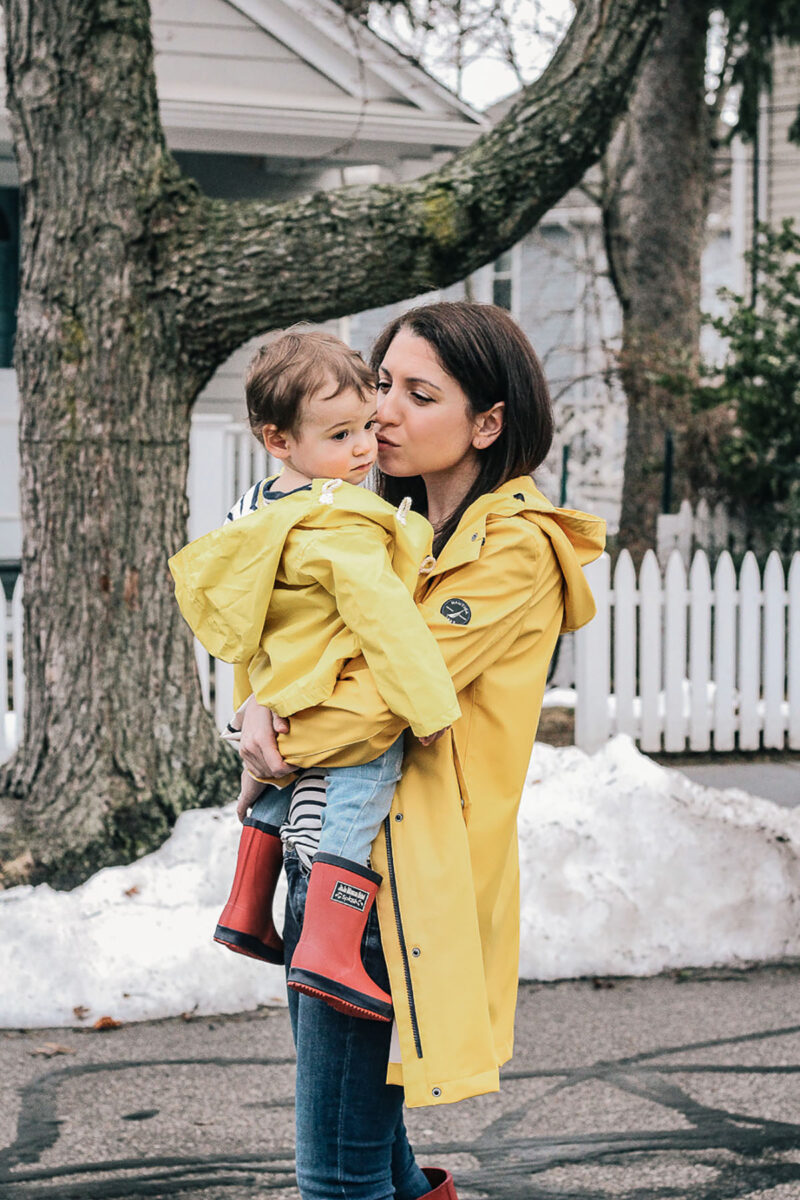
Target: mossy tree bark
658 173
134 288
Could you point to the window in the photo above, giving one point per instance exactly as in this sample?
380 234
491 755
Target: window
503 281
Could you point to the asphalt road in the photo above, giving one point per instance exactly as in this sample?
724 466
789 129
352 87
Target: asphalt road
684 1087
776 780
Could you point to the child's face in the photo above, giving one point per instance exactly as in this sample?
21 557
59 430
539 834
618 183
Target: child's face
337 437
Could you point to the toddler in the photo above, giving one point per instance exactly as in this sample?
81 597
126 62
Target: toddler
308 571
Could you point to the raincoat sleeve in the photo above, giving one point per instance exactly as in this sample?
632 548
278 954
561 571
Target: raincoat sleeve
512 572
378 608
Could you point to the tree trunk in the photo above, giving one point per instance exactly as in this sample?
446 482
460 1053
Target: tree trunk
129 301
655 212
116 741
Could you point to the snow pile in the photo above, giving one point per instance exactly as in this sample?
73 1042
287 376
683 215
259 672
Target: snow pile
627 868
134 942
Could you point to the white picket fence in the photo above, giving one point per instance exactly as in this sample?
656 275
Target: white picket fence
690 664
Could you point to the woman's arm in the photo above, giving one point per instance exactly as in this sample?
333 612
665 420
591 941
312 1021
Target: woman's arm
513 571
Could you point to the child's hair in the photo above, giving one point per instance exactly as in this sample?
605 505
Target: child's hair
488 355
294 366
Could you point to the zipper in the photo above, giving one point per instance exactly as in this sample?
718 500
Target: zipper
401 937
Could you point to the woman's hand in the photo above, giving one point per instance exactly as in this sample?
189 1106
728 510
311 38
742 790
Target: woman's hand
433 737
259 743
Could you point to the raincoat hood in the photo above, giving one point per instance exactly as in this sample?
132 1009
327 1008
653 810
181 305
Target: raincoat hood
224 580
577 538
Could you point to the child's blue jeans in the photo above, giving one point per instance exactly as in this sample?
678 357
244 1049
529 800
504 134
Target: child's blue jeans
358 800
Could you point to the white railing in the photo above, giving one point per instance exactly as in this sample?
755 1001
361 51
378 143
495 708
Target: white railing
11 641
689 663
224 460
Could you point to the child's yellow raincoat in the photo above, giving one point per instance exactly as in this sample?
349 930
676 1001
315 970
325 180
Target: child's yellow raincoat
305 583
503 588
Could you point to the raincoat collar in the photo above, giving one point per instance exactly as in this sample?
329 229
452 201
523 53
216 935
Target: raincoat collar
576 537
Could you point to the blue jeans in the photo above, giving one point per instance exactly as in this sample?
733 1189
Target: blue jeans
357 802
351 1138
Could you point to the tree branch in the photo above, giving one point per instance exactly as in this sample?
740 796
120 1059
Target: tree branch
243 267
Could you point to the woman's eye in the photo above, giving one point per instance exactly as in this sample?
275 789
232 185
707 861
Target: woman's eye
422 399
383 385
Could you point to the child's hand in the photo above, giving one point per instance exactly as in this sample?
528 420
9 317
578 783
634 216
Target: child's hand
251 789
432 737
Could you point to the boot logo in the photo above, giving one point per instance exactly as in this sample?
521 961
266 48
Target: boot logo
353 897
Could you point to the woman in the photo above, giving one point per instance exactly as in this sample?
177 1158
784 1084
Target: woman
465 419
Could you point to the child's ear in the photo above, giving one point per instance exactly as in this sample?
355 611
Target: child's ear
274 442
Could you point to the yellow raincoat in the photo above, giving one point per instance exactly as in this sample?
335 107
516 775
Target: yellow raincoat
503 588
305 583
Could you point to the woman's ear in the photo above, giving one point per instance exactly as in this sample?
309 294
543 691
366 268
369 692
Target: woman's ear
488 426
275 442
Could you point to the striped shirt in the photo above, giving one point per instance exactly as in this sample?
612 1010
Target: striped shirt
262 492
303 824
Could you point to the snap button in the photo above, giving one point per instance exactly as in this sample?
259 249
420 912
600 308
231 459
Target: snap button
415 953
519 496
436 1092
474 537
398 817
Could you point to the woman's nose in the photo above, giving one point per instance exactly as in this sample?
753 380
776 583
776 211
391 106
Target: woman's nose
387 408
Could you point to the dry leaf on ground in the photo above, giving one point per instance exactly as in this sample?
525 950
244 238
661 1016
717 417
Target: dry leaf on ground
106 1023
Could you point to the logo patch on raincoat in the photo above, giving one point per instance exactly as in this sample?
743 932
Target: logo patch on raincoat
457 612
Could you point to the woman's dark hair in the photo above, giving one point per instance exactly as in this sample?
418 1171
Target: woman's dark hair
488 355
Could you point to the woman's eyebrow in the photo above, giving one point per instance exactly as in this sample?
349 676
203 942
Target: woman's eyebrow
413 379
424 382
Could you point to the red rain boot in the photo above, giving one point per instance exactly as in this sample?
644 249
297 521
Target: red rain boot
441 1182
327 960
246 924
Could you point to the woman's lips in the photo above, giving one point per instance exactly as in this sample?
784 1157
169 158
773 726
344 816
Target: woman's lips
382 441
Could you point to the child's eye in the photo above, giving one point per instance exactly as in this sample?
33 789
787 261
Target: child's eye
370 424
340 436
